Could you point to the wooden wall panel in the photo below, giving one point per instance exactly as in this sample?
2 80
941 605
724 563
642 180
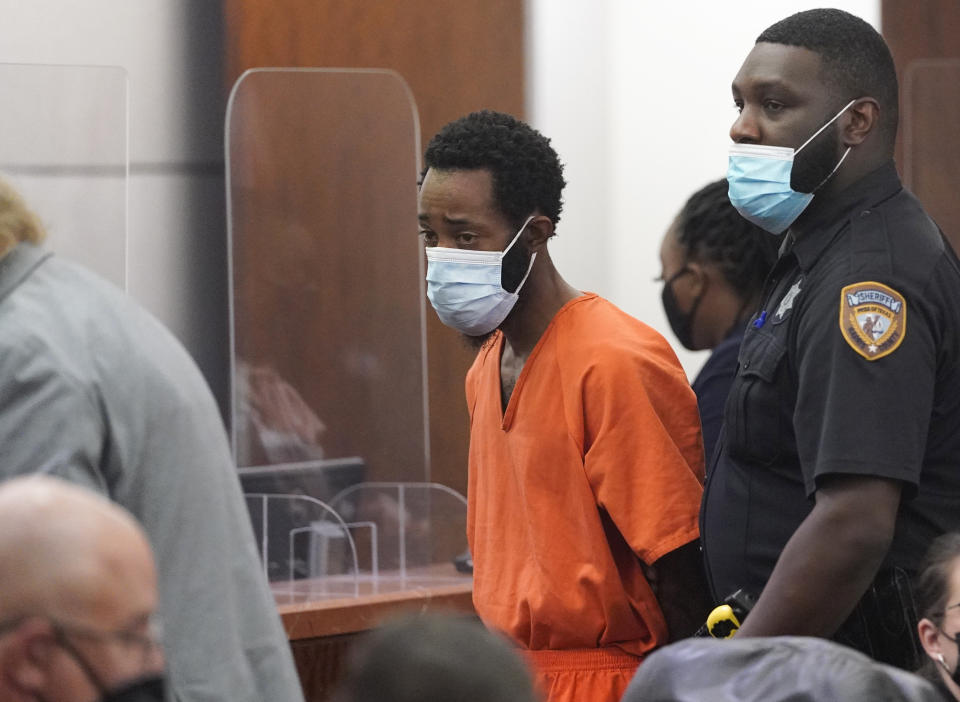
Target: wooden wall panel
931 139
924 35
321 663
457 56
918 29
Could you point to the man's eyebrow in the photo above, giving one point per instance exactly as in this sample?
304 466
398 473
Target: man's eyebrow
764 84
456 220
773 83
447 219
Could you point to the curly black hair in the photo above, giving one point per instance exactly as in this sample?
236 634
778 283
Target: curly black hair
856 61
710 230
527 174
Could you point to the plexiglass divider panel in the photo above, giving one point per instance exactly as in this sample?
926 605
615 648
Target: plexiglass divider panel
327 306
64 147
372 538
418 525
326 270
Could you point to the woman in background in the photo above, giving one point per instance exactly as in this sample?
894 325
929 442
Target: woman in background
713 265
937 594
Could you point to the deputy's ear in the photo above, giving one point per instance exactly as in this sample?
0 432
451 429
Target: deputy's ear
25 657
864 118
538 232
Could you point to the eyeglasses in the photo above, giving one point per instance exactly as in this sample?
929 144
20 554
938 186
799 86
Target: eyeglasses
149 643
954 638
666 281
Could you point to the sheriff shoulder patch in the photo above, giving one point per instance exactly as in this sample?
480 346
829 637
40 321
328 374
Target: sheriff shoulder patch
873 319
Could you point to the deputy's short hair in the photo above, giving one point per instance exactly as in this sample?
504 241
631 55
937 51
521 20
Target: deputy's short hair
856 61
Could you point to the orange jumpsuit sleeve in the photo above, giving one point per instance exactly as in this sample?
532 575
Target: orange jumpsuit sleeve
643 453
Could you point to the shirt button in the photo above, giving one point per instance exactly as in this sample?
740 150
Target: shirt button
746 364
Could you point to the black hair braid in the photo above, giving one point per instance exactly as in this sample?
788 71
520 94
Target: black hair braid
711 231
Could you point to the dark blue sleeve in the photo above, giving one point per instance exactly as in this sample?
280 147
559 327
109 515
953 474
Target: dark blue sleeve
712 386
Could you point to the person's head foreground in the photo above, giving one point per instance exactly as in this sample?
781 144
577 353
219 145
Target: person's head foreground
79 597
489 200
713 264
429 658
817 97
937 594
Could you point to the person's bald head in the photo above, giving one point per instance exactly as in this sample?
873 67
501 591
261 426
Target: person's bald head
73 566
60 545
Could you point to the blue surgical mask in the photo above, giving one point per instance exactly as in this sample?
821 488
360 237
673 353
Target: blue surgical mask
759 178
465 287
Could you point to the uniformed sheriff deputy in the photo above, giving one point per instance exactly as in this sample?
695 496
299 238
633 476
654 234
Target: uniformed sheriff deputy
840 453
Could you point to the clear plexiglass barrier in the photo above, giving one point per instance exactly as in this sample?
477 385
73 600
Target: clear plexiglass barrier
63 146
371 538
327 334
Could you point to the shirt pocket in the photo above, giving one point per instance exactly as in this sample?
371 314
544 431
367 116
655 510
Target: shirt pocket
754 410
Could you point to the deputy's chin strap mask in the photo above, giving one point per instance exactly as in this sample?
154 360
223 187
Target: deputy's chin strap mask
759 179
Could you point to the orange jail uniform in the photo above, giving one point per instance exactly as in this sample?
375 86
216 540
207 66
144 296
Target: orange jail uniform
596 463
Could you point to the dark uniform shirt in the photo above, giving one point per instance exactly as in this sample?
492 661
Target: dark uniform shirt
851 366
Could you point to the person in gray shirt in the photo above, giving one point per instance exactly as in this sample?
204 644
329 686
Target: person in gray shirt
93 389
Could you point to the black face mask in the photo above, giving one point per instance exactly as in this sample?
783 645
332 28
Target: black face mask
955 673
514 266
148 688
151 688
815 164
680 323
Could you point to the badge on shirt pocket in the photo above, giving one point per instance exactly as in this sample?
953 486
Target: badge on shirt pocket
787 302
873 318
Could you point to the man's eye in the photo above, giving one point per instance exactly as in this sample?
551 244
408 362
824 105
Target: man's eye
738 105
466 239
429 238
772 106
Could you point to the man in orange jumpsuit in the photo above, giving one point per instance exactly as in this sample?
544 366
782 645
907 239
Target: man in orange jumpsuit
586 461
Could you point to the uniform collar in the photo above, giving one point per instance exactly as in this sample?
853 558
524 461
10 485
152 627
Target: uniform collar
18 264
825 219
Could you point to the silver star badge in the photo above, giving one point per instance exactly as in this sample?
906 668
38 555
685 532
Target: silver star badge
786 304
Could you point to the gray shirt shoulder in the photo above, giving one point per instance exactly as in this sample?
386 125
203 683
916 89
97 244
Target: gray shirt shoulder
94 389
